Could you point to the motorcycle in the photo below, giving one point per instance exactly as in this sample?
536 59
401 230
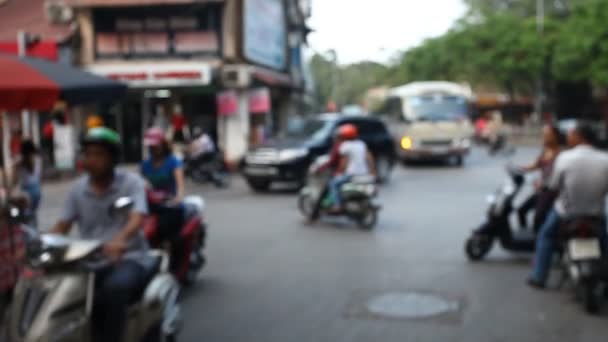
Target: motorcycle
192 236
497 224
212 170
584 262
357 195
53 299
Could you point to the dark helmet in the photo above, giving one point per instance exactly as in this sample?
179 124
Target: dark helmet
106 137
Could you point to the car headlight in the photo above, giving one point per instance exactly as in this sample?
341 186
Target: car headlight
407 143
292 153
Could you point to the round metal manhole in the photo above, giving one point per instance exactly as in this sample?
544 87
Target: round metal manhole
410 305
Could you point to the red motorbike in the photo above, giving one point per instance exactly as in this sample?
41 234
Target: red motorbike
187 257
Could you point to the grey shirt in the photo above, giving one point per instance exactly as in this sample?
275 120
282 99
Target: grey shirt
580 176
91 211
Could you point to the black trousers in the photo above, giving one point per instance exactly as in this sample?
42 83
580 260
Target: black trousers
542 202
116 288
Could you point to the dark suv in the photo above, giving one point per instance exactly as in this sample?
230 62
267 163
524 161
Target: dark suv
288 159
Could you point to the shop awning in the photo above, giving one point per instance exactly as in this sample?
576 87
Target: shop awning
133 3
29 83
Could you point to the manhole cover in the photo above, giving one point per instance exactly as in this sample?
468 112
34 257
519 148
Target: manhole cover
410 305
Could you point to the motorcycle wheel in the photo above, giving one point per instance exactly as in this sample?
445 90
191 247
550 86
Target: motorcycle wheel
368 220
306 205
198 177
220 179
587 290
477 247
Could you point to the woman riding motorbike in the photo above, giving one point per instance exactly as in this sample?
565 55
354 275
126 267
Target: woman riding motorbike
165 174
542 199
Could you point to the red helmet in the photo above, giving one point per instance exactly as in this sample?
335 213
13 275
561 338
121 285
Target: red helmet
348 131
154 137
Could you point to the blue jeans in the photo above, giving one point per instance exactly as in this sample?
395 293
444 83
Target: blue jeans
35 195
545 246
116 287
334 188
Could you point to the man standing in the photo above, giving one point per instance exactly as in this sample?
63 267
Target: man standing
88 205
580 178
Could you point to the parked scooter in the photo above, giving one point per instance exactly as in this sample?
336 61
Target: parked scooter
583 260
192 237
357 196
53 300
497 224
212 170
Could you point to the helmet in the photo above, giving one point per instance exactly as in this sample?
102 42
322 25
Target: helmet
94 121
103 136
348 131
154 137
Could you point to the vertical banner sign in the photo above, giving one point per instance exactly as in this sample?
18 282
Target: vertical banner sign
65 151
227 103
265 33
259 101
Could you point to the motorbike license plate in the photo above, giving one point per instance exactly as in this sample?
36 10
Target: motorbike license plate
261 171
584 249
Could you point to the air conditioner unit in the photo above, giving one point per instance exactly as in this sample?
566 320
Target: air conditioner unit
58 13
236 76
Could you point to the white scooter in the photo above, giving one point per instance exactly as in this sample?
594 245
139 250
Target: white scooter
53 299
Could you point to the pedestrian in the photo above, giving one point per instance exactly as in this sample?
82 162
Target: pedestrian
542 199
27 176
580 178
124 243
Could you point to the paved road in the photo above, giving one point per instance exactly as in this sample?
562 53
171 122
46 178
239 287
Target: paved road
272 278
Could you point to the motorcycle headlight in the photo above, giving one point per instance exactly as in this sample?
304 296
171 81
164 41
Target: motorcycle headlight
407 143
292 153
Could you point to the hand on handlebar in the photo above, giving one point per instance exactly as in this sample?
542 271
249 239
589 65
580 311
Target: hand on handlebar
115 249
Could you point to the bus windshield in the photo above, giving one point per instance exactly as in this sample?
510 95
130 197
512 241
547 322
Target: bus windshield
437 108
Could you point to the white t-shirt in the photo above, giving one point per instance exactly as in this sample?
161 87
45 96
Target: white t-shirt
202 145
356 152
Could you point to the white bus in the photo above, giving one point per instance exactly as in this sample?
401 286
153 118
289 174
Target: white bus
431 120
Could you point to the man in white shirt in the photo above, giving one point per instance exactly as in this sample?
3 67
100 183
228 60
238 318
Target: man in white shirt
581 179
355 160
201 146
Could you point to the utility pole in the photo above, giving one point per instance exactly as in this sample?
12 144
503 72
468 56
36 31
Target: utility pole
540 28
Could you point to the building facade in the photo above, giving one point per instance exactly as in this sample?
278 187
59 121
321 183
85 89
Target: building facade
233 68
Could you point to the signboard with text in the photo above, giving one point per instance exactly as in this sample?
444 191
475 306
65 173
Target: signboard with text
265 33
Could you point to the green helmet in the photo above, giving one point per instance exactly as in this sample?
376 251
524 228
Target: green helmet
103 136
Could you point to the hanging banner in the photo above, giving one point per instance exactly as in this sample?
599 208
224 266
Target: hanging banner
259 101
65 151
265 33
227 103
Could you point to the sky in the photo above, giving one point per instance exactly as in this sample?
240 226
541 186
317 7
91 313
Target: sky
378 29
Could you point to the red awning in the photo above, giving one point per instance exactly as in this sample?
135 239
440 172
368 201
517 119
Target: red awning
113 3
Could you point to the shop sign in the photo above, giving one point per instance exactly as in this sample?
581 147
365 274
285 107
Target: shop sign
227 103
265 33
65 152
156 75
259 101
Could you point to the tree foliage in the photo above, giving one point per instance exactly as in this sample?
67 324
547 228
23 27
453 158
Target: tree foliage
497 43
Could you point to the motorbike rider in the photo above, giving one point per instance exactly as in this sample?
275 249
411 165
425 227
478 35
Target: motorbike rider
580 178
87 205
542 199
201 149
354 160
164 173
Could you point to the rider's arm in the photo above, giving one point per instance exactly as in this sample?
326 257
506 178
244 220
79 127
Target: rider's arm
180 186
371 164
68 215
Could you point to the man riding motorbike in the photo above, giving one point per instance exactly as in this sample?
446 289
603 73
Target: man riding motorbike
354 160
202 148
580 177
125 245
165 174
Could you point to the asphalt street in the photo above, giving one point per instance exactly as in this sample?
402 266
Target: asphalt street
272 278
